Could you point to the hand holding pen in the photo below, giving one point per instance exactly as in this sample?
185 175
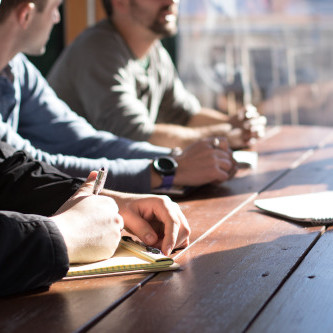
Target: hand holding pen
90 234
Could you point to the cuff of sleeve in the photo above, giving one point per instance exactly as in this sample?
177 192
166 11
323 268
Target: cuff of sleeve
60 261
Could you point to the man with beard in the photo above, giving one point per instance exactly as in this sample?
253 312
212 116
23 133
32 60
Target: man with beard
119 77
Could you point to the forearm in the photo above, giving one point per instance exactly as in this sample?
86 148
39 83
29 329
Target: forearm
131 175
206 123
33 253
207 117
179 136
172 136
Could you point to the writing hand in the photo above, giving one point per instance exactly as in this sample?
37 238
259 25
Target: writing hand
90 224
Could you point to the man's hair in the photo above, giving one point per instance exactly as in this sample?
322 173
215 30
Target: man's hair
107 7
6 6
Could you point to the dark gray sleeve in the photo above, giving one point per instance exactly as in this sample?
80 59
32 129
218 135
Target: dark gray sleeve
32 187
32 253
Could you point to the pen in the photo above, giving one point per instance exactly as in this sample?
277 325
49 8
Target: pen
100 181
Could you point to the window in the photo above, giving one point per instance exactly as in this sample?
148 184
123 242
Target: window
276 54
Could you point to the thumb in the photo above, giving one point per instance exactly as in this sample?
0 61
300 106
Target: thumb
91 178
88 185
86 189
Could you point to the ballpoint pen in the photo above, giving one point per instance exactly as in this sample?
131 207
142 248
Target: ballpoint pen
100 181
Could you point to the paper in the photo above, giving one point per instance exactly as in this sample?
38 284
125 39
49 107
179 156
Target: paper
310 207
246 158
129 257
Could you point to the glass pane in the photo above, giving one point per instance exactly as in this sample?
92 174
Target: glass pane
275 54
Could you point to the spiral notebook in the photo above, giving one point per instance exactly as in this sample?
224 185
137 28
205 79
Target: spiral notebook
315 208
130 257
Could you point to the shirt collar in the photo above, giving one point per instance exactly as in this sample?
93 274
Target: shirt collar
7 73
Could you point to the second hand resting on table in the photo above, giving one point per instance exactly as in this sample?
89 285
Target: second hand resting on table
97 221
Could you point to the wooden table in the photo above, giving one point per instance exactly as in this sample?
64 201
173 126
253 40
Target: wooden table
244 270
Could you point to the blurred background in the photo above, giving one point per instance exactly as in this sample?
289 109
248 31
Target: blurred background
275 54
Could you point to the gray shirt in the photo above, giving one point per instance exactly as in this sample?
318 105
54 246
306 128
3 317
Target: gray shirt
100 78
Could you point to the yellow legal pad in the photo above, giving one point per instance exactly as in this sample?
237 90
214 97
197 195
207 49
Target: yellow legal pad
130 257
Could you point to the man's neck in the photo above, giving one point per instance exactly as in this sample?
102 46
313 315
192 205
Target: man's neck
8 48
4 59
138 40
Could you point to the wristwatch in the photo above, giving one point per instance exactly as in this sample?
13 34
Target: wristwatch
166 166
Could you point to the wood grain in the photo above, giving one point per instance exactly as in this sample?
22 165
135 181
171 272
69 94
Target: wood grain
237 260
304 303
232 273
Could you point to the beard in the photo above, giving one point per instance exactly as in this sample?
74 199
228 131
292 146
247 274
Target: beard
161 26
165 30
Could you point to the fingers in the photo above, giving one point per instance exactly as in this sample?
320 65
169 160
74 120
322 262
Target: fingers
251 122
139 226
225 163
257 126
219 142
176 231
207 161
158 222
236 138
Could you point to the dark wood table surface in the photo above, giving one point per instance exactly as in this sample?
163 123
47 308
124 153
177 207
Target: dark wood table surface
245 271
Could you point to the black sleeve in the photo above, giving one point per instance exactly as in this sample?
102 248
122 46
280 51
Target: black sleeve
32 187
32 253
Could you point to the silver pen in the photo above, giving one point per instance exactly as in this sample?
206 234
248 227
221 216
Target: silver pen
100 181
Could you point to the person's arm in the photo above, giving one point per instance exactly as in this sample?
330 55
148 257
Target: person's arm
35 251
207 117
171 135
43 116
239 129
20 174
131 175
32 253
117 95
52 117
156 220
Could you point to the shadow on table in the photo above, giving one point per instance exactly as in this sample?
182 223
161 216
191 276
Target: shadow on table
219 289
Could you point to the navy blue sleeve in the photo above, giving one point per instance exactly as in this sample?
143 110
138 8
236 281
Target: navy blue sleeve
37 121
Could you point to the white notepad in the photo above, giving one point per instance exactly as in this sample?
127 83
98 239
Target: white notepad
312 207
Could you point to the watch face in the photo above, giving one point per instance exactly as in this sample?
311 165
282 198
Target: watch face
165 165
